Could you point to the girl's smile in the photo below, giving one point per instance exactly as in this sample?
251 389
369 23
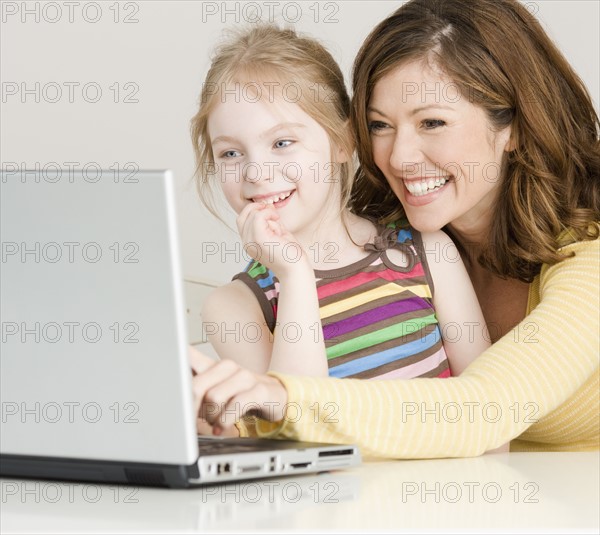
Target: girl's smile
278 155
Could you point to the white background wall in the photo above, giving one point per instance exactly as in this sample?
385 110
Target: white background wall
156 53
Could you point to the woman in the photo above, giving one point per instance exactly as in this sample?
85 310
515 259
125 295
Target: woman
467 114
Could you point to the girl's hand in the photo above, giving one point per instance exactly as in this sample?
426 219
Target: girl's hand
224 392
268 241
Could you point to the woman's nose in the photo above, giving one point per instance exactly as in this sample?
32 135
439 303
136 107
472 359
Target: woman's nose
406 156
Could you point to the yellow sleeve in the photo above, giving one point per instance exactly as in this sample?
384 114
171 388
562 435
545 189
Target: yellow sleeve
532 370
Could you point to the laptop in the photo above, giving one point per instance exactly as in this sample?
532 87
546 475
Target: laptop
95 383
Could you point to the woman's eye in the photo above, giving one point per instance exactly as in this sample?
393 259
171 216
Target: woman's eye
376 126
282 143
430 124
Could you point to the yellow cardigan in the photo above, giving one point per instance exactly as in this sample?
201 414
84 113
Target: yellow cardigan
537 386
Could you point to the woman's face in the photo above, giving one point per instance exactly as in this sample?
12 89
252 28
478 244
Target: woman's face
437 150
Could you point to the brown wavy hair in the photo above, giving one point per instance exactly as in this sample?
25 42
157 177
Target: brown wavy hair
499 56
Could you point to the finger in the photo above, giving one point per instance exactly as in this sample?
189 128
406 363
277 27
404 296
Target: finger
257 230
246 402
203 427
207 379
250 224
266 397
245 214
264 220
198 361
275 227
218 397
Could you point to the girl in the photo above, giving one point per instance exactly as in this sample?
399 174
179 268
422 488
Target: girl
272 130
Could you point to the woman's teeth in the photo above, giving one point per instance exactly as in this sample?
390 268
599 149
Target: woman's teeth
275 198
418 189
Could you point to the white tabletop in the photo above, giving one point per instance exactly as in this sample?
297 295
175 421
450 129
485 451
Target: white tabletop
496 493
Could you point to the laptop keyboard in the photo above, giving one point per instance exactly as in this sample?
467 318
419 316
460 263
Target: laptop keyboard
217 447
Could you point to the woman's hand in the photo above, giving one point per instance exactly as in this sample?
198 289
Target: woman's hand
224 392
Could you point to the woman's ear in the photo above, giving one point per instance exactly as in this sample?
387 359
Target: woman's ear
510 143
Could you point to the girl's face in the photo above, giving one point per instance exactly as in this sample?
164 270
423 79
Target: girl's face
275 153
437 151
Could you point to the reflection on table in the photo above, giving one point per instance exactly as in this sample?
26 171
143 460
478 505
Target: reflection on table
524 492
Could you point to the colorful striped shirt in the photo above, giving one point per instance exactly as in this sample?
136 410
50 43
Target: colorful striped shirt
377 317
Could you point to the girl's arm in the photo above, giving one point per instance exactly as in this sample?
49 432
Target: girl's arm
235 326
296 347
464 332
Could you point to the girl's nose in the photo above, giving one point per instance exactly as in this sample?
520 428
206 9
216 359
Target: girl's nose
259 170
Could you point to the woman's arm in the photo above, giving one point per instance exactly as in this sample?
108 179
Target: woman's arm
456 417
464 332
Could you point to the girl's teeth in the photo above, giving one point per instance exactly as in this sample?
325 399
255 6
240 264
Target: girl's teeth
276 198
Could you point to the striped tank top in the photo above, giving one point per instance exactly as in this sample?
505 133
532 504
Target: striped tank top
377 318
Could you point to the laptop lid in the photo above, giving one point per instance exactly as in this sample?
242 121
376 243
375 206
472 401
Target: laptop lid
95 381
94 347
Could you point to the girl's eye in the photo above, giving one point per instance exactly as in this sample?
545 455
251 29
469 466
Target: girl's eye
282 143
376 126
430 124
230 154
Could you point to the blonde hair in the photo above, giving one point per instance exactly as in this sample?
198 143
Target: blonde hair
279 56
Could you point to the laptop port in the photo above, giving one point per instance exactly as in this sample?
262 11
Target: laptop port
331 453
299 465
223 468
242 469
272 464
